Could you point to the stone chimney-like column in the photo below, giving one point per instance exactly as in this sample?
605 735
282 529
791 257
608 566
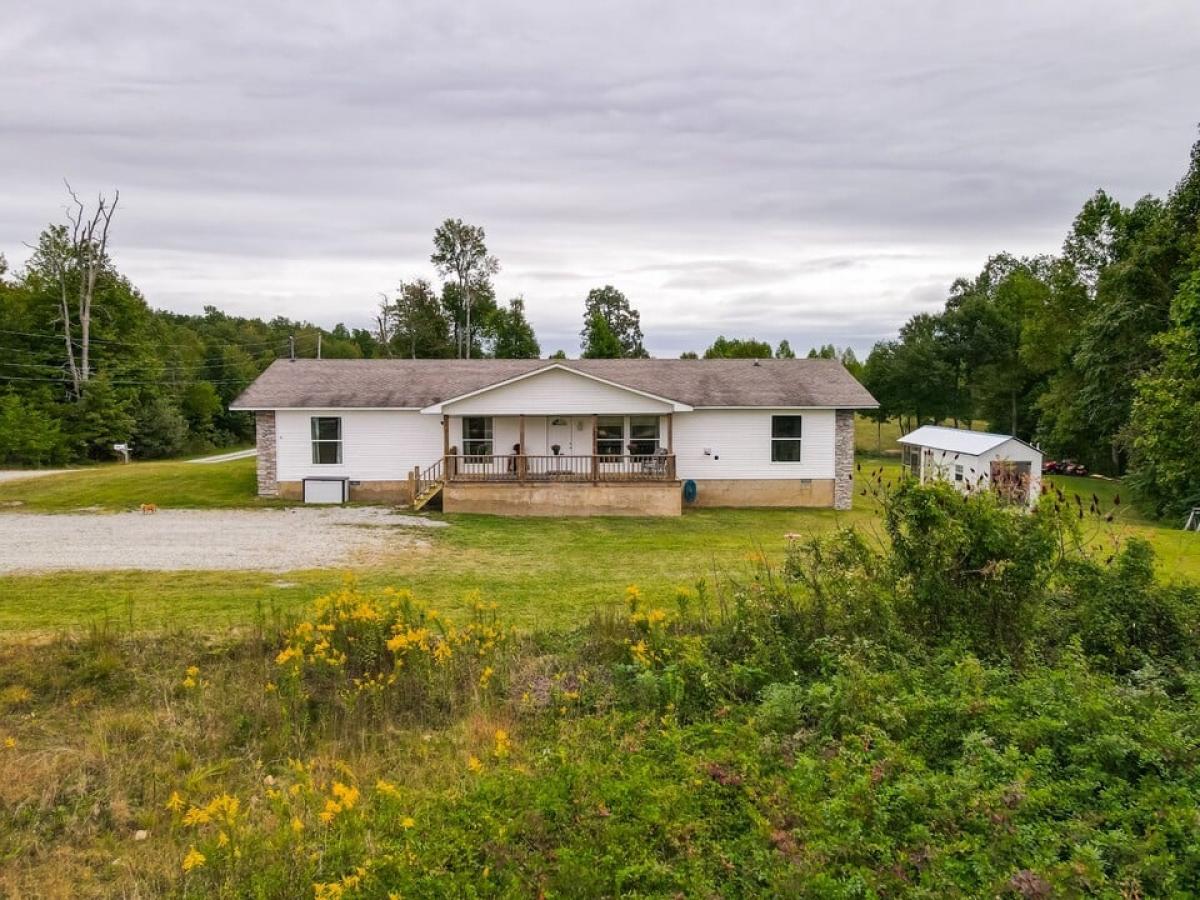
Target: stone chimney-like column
264 432
843 459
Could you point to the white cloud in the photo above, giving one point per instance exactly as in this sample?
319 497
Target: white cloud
779 169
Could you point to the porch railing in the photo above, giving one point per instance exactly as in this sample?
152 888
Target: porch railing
580 468
427 477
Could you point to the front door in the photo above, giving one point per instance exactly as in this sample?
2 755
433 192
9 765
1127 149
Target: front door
558 432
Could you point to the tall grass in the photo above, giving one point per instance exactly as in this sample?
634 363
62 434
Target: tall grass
834 726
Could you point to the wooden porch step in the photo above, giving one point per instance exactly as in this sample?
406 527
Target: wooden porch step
426 495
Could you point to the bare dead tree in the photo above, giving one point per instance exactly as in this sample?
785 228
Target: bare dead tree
383 324
77 268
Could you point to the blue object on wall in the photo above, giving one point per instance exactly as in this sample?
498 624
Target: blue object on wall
689 491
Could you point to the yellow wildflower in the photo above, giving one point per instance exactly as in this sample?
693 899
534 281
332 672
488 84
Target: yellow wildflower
486 676
174 802
10 743
407 822
347 796
502 744
641 653
222 839
286 654
474 764
197 816
193 860
330 891
632 596
297 824
387 788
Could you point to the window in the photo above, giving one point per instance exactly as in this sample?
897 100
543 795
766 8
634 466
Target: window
477 435
643 435
785 438
326 440
610 435
958 473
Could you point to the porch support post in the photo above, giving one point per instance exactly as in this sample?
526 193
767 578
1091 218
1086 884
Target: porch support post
595 447
521 447
445 447
671 446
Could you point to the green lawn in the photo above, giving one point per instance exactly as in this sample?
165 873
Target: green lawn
543 572
117 487
874 438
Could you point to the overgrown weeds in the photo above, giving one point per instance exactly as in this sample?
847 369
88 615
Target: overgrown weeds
975 707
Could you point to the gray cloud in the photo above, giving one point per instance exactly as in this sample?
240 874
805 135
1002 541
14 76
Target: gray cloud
778 169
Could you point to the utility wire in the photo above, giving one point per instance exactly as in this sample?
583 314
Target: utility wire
168 366
94 340
115 383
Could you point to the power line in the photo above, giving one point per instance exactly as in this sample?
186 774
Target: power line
94 340
31 365
168 366
115 383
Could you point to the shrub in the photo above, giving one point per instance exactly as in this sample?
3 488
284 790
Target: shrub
1123 617
385 653
972 568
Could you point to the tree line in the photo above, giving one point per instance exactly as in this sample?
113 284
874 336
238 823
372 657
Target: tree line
86 363
1094 352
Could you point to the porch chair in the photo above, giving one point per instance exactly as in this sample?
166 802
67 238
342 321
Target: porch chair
656 464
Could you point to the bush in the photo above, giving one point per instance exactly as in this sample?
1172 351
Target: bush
972 568
29 432
1123 617
385 654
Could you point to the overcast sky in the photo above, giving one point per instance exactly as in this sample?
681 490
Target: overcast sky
811 171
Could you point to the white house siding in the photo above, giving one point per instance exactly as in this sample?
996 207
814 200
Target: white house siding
740 441
555 393
574 437
377 445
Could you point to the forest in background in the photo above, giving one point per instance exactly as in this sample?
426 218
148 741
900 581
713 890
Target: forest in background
1092 353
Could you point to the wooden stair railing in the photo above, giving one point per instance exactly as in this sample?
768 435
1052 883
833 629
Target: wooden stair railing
427 483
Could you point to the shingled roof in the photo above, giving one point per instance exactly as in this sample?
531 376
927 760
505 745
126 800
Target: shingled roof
417 383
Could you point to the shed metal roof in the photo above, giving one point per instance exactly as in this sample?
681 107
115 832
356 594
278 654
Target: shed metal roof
955 440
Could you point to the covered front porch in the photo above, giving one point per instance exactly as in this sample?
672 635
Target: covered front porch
563 448
555 442
566 464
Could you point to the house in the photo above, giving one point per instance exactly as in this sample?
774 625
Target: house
548 437
974 459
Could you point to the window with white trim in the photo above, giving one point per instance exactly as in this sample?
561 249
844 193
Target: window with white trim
643 435
958 473
477 435
635 435
326 440
786 433
610 435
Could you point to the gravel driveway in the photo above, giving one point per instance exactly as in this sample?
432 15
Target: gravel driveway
266 540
